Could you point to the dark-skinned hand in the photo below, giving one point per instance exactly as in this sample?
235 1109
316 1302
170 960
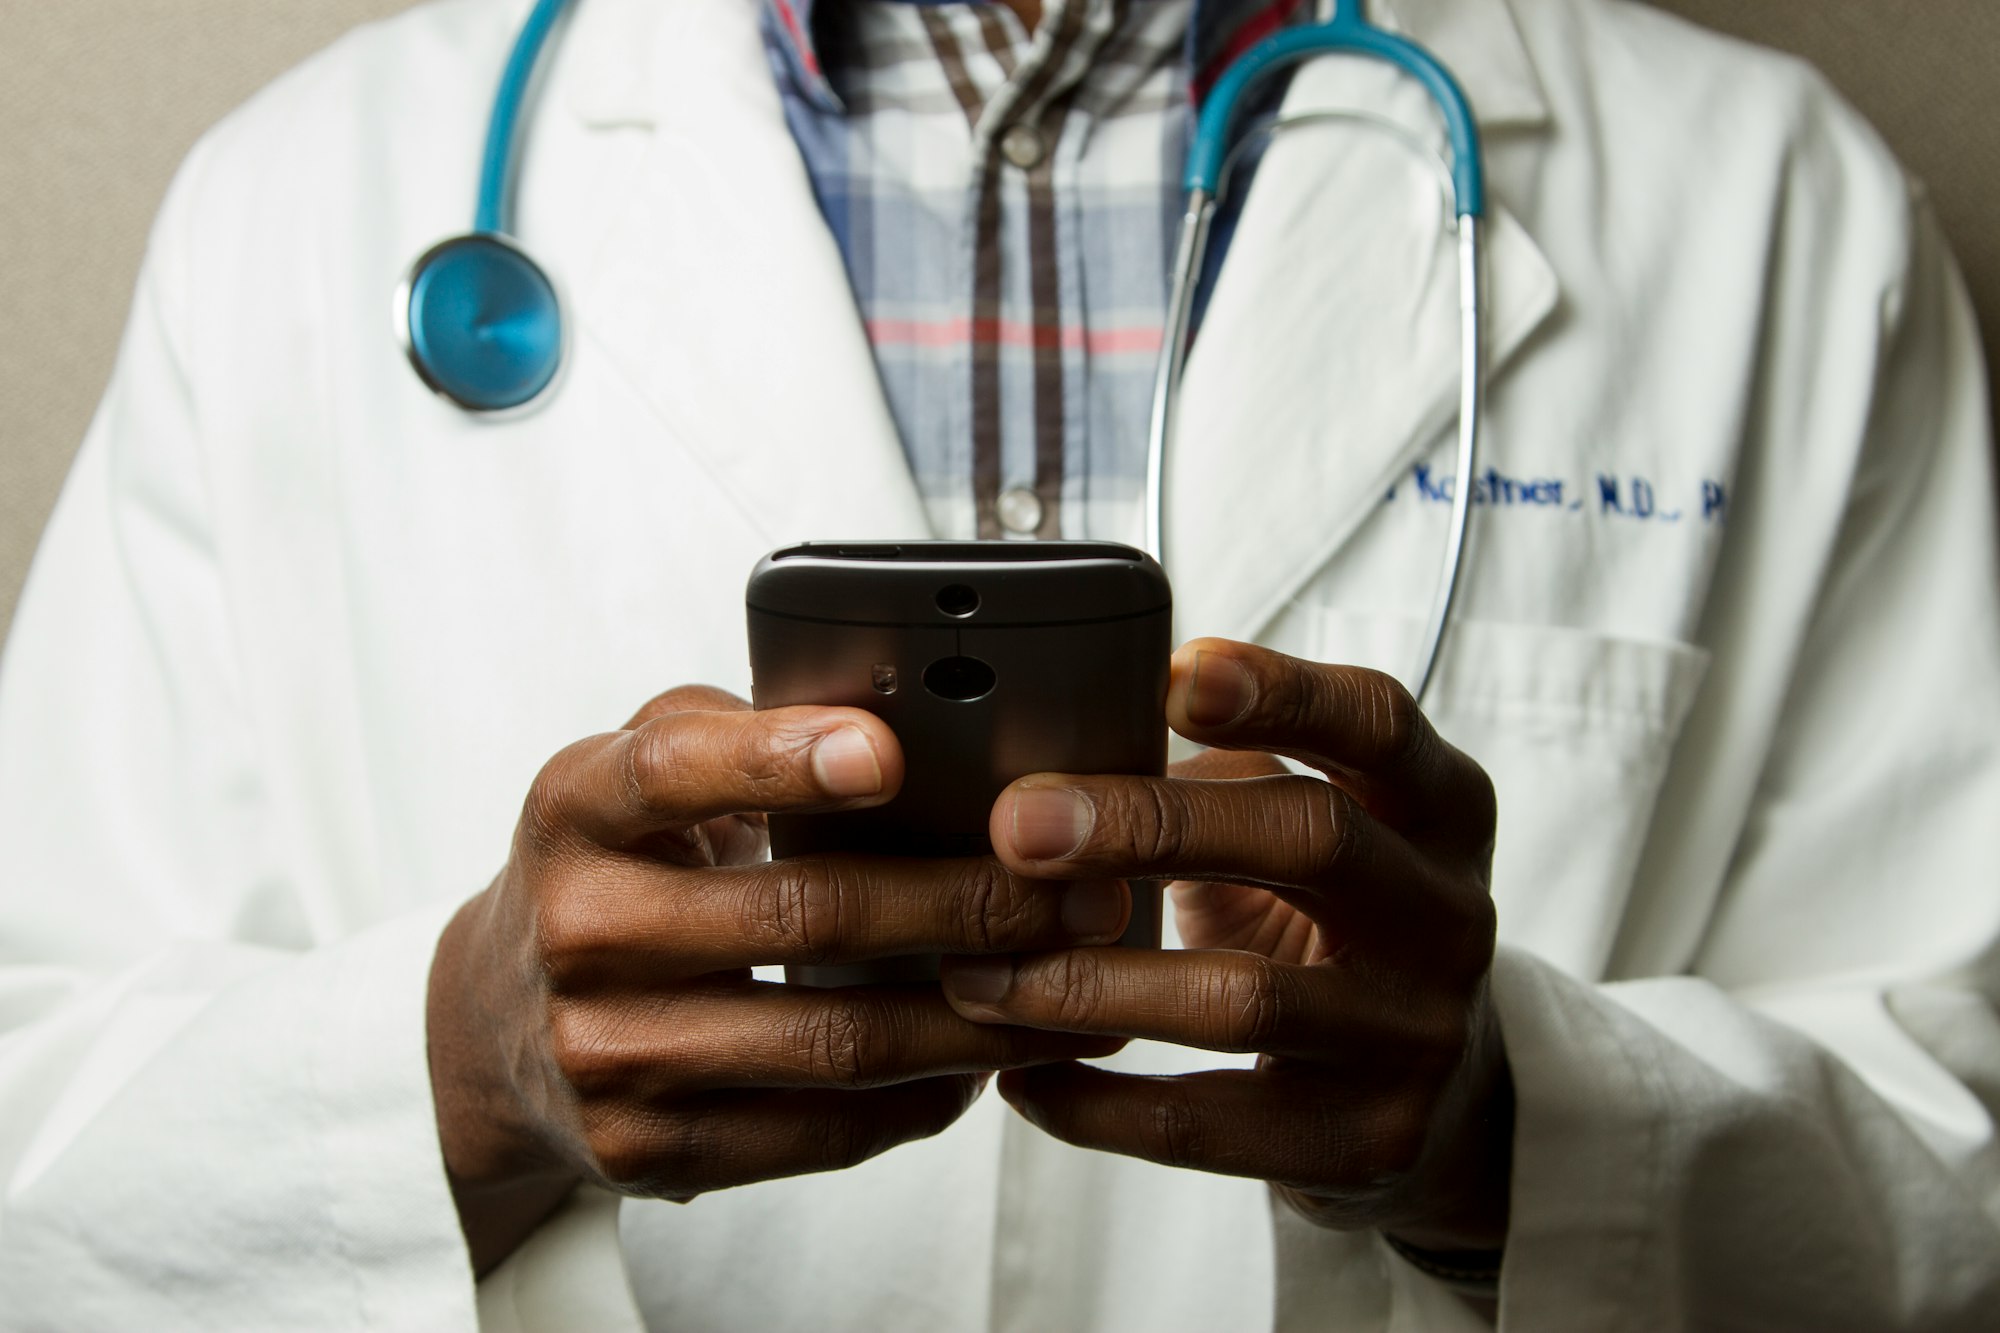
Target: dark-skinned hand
592 1015
1340 929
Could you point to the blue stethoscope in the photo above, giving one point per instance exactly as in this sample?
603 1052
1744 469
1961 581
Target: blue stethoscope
482 323
478 318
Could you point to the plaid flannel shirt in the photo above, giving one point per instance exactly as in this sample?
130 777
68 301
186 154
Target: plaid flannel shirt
1006 205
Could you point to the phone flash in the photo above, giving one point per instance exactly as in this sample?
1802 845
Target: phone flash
884 677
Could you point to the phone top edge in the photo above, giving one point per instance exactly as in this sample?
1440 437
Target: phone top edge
962 584
938 622
932 551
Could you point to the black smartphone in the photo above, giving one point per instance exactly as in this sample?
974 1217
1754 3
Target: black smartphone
990 660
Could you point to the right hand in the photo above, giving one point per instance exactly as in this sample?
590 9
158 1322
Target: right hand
592 1014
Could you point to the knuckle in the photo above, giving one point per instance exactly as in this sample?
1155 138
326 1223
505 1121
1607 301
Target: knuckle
776 770
944 1099
918 1110
845 1044
1158 824
1079 988
546 815
1305 694
802 906
568 939
1333 827
849 1140
647 1155
647 757
1400 1134
585 1052
1176 1131
1251 1004
991 913
1465 928
1402 736
1440 1038
1003 912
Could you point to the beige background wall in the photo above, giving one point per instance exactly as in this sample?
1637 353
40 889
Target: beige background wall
99 99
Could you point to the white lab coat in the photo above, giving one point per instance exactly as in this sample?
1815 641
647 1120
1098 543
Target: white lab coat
300 636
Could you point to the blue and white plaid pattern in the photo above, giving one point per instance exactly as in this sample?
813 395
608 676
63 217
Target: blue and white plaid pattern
1006 203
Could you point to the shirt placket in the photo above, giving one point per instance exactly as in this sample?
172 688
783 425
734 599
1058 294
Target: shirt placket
1022 362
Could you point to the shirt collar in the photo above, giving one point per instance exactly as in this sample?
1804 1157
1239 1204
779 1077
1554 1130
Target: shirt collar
808 61
792 22
1219 31
1479 40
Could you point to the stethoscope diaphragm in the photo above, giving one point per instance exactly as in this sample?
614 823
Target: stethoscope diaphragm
481 323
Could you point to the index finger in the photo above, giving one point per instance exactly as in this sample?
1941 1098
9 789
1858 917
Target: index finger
1359 727
685 768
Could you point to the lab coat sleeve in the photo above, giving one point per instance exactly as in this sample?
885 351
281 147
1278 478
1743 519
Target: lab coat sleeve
214 1101
1799 1133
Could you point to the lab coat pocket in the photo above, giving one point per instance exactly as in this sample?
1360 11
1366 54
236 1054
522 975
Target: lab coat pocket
1575 728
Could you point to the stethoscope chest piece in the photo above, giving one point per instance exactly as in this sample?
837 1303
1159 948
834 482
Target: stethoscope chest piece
481 323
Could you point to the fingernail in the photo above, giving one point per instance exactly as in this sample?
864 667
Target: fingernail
1219 690
844 764
981 980
1093 907
1051 822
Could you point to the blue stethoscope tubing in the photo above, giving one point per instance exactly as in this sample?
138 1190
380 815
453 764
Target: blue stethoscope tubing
482 323
478 318
1346 32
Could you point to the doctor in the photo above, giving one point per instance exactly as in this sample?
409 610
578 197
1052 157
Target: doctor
1712 748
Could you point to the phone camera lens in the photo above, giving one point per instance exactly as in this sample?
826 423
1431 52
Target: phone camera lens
957 600
961 679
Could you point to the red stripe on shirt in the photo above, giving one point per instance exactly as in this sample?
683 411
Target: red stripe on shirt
798 35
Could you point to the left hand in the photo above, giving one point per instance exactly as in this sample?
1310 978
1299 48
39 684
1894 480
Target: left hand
1342 930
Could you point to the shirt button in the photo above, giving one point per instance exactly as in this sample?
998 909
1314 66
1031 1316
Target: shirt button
1022 145
1020 511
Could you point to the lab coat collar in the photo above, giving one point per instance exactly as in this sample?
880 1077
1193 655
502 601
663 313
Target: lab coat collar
609 60
616 49
1479 41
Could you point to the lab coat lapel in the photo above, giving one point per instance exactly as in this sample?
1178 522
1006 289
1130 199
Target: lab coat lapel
1328 358
720 296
